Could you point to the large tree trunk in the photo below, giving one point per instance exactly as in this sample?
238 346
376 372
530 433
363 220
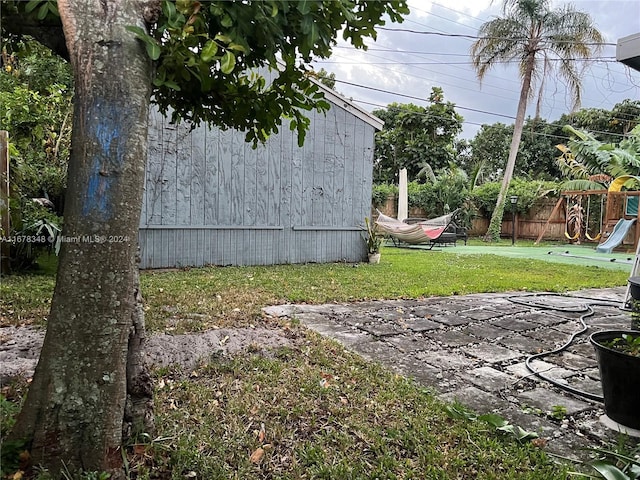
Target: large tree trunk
495 225
73 414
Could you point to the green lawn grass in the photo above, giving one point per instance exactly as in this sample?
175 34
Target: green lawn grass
314 410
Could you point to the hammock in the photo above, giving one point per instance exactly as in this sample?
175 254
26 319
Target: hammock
426 231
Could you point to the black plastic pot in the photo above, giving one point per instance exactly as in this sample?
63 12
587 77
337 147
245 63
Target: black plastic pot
620 377
634 287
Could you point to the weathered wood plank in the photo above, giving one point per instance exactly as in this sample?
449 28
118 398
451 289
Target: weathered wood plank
198 175
249 193
184 175
211 178
169 175
339 203
263 183
348 212
154 176
237 181
359 187
225 186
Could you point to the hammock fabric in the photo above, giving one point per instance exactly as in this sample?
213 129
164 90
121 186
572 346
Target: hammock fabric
422 232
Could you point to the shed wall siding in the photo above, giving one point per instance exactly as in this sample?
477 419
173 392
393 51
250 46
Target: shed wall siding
210 199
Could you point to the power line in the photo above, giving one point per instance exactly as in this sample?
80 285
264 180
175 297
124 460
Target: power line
603 65
447 54
610 83
501 78
413 97
475 37
599 60
463 108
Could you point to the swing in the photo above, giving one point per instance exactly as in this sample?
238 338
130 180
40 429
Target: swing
586 229
576 208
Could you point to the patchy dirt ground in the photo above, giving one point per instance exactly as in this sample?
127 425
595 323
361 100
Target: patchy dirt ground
20 347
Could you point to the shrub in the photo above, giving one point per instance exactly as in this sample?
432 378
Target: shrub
485 196
381 192
36 230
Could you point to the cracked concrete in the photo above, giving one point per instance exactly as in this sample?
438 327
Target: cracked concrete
473 349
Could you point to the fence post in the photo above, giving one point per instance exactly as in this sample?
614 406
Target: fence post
5 246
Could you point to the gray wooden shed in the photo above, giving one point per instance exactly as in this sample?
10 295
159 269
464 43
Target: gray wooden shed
210 199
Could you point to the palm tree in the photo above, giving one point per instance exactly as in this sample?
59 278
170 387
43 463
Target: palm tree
541 40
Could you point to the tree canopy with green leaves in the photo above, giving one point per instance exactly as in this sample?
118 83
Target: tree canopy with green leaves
608 126
417 138
201 60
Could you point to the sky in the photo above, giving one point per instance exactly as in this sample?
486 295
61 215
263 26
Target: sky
402 67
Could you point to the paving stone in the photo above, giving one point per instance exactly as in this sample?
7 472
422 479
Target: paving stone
485 331
421 324
456 305
489 379
575 362
522 343
390 314
378 351
569 327
382 329
410 343
481 313
585 349
322 309
421 372
451 320
477 400
586 384
492 353
446 360
432 301
550 337
515 324
567 316
610 323
421 311
368 306
355 320
541 319
510 308
345 335
545 399
312 318
593 373
329 328
451 338
548 369
610 311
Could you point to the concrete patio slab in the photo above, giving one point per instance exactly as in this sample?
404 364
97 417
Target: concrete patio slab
473 349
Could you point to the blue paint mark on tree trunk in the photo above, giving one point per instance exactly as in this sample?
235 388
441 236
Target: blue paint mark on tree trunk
108 128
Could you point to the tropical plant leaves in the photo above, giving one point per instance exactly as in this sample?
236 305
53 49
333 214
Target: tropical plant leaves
227 62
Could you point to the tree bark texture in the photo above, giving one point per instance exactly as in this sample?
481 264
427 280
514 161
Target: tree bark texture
493 233
73 414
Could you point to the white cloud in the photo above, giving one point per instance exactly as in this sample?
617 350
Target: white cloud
404 63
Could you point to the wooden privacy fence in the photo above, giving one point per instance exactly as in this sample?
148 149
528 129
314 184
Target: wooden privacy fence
528 226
